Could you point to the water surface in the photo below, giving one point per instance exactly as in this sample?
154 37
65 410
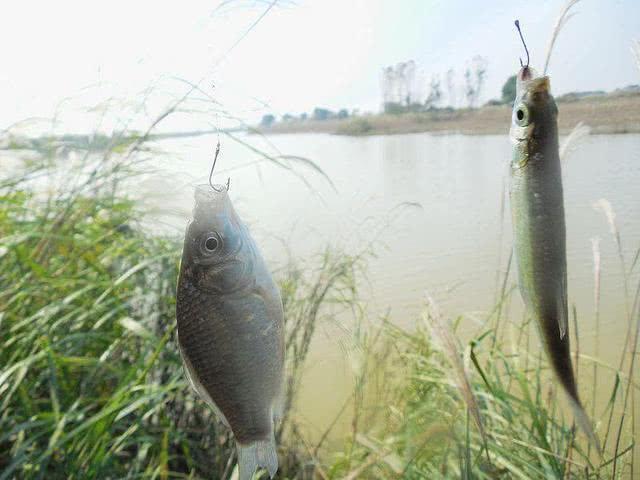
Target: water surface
450 248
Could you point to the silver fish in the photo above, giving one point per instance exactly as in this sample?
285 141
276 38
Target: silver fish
539 232
231 329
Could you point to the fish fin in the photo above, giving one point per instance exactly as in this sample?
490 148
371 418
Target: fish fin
252 456
187 367
217 411
583 421
562 309
562 324
193 379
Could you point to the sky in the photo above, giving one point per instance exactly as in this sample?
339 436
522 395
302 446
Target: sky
58 58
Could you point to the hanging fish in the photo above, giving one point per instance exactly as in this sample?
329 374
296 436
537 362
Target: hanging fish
539 233
230 327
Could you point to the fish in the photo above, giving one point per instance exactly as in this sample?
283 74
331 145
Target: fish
230 325
539 231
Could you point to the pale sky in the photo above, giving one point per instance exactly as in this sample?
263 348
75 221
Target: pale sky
302 54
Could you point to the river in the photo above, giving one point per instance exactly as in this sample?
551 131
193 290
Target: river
450 246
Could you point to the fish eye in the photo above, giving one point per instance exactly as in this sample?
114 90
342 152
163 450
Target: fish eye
210 243
521 115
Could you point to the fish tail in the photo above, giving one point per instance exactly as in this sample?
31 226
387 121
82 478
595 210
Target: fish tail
583 421
568 382
261 453
560 356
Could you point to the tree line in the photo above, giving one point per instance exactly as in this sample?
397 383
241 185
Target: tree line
318 113
406 89
403 91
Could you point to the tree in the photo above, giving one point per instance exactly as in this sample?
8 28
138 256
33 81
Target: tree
267 120
343 113
409 76
399 86
388 79
474 79
509 90
287 117
435 93
322 113
451 87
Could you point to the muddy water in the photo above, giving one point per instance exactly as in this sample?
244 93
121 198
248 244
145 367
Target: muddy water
452 246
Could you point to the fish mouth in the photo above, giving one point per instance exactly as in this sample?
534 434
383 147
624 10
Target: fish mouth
529 82
209 201
526 73
207 193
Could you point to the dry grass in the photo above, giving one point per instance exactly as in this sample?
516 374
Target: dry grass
606 114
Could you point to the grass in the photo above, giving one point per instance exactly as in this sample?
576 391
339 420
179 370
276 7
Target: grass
91 384
490 409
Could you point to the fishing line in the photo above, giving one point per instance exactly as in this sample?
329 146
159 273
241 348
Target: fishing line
215 158
216 64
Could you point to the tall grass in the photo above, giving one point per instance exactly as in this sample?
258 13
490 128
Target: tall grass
525 432
91 383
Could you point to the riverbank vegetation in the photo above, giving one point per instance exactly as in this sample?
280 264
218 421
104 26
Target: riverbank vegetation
616 112
91 384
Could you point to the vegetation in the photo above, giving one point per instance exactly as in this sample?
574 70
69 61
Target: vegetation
509 90
489 409
403 88
322 114
615 112
91 384
267 120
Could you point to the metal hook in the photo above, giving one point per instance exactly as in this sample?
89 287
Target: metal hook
523 43
215 159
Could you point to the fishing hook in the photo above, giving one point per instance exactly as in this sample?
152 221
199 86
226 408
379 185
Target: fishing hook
517 22
215 159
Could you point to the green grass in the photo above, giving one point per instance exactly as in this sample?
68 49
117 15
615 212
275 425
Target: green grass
91 384
430 428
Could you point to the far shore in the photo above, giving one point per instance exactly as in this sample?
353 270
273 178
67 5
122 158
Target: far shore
607 114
